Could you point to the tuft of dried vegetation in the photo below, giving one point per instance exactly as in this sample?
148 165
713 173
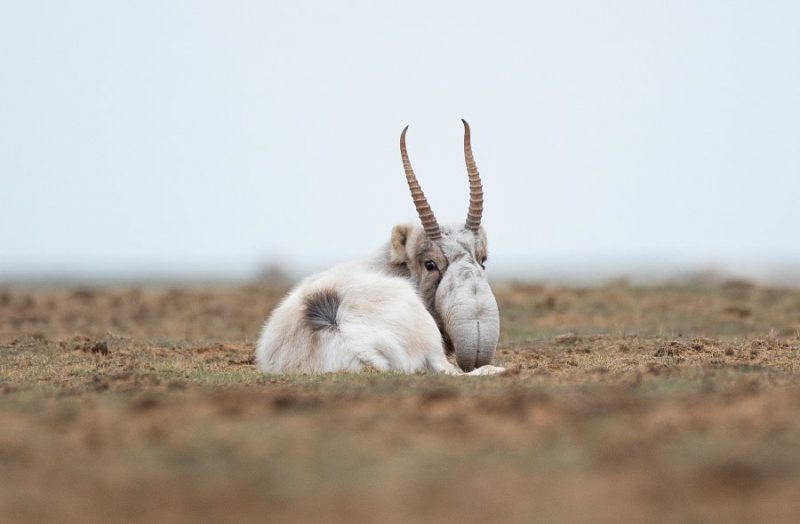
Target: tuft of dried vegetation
678 403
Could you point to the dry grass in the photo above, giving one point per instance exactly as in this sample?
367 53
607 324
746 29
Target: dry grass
666 404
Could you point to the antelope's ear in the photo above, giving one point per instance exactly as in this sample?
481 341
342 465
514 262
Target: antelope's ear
400 234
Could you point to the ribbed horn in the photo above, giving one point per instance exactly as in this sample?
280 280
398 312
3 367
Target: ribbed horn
424 211
475 187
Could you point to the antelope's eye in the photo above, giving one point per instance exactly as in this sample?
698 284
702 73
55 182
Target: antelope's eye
430 265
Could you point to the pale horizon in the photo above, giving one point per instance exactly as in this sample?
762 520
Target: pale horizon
209 140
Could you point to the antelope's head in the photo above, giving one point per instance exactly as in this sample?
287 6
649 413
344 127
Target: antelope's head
447 263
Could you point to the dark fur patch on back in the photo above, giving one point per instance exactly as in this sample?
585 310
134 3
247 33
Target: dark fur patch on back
321 309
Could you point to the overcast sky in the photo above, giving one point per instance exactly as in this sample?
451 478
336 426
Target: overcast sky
211 137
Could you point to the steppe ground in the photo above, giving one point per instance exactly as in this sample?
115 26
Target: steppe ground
660 404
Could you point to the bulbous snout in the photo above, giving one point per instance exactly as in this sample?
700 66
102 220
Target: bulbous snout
475 342
470 316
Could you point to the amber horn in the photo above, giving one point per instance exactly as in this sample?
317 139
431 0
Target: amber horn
424 211
475 187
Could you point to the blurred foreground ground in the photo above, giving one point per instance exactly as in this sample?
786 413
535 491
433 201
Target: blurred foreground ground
668 404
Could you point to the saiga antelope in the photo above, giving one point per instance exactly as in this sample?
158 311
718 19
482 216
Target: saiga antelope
424 295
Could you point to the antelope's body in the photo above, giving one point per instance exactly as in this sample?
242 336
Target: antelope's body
422 296
349 318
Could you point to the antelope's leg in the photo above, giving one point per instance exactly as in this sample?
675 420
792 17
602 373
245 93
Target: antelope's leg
440 364
487 370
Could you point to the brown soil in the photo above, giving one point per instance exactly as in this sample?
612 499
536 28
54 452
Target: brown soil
668 404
